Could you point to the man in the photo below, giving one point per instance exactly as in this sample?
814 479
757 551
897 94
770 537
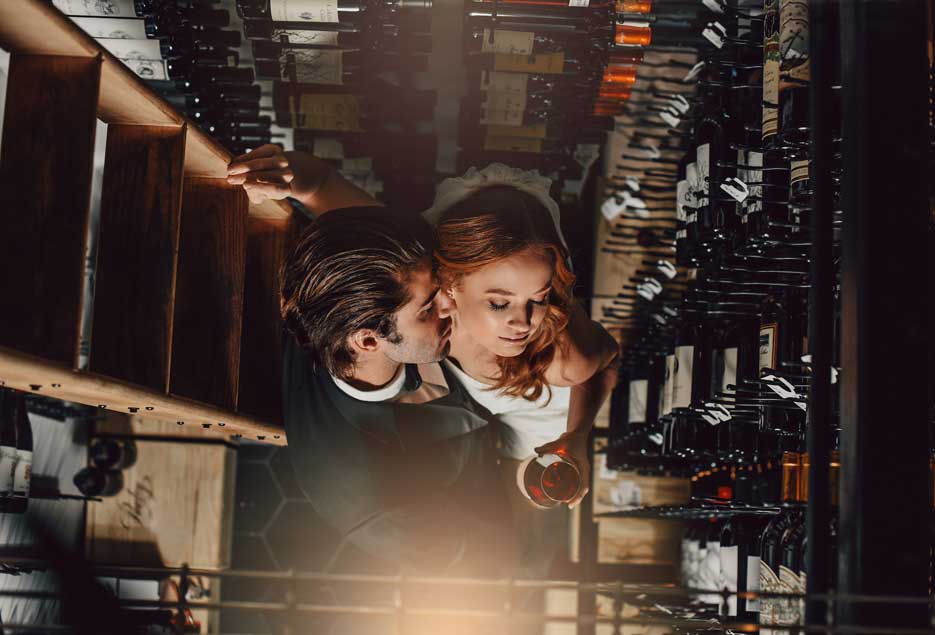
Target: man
395 456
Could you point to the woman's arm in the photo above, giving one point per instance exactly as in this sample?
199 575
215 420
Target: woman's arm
587 361
270 173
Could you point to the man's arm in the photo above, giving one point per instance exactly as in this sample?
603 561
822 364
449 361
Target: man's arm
269 173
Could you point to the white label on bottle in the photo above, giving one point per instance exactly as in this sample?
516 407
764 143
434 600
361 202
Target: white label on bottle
715 33
578 3
703 162
730 369
503 109
304 10
769 583
509 42
798 171
680 104
754 160
500 82
714 5
789 612
302 36
667 268
753 582
729 574
328 148
682 389
668 386
639 391
682 199
22 473
693 73
114 28
633 183
768 345
709 573
691 175
102 8
670 119
735 188
133 49
314 66
7 469
148 69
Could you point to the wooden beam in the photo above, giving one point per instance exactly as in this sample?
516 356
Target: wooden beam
46 167
209 292
137 254
30 373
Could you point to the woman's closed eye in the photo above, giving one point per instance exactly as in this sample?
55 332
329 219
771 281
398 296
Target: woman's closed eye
500 307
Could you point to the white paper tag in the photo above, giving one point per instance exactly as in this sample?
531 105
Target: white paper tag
148 69
503 109
303 36
667 269
715 33
670 120
328 148
7 468
315 66
729 574
632 183
736 189
680 103
753 582
729 378
501 82
714 5
693 73
578 3
612 208
682 199
133 49
785 390
703 163
509 42
102 8
653 284
682 390
645 293
114 28
304 10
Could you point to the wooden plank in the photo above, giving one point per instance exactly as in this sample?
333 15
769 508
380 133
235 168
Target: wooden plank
44 201
38 28
209 292
176 507
29 373
261 354
137 254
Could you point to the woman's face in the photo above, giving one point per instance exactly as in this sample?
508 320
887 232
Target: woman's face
501 305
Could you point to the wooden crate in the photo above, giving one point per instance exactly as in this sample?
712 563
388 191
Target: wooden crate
176 507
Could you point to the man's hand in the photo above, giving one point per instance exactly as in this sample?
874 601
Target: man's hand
269 173
574 447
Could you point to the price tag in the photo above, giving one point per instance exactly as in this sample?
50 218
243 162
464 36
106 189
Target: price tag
667 269
612 208
550 63
671 120
115 28
714 5
715 33
680 103
579 3
319 111
736 189
304 10
693 73
645 293
632 183
302 36
509 42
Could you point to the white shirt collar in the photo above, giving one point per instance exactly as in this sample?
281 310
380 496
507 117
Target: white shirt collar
388 392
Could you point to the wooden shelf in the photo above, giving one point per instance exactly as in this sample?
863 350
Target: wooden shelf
34 27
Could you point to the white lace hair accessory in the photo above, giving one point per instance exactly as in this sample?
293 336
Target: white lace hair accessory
454 190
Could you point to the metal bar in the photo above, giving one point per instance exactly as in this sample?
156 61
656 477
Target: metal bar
822 43
883 545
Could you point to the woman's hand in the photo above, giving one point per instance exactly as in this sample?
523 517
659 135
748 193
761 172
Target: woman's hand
269 173
574 447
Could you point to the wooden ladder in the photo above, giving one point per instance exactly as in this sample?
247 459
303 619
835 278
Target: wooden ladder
186 313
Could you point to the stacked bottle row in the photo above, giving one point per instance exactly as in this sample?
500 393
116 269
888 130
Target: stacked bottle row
183 50
342 78
16 449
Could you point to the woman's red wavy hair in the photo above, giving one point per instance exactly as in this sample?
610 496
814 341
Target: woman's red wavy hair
489 225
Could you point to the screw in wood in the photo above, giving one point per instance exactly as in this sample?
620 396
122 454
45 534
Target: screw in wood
260 437
56 385
221 424
181 423
133 409
102 406
35 386
205 425
150 408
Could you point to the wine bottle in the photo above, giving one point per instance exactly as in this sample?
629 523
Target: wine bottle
22 473
793 71
349 43
320 10
8 453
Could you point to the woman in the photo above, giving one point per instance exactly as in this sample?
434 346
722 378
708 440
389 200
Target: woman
522 347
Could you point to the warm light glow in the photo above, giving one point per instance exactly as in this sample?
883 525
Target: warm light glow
631 34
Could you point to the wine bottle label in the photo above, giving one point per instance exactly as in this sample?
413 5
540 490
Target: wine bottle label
788 610
102 8
313 66
639 392
753 582
730 369
729 574
770 68
754 202
511 83
769 583
22 473
7 469
535 131
550 63
327 148
667 387
328 112
715 33
302 36
683 199
768 351
793 43
148 69
304 10
703 165
508 42
503 109
512 144
799 171
682 386
112 28
579 3
133 49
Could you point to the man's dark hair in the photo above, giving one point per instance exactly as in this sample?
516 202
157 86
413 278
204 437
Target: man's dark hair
349 272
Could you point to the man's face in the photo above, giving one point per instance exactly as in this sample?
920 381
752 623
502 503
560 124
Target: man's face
423 322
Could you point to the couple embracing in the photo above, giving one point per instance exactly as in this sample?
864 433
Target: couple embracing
422 352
